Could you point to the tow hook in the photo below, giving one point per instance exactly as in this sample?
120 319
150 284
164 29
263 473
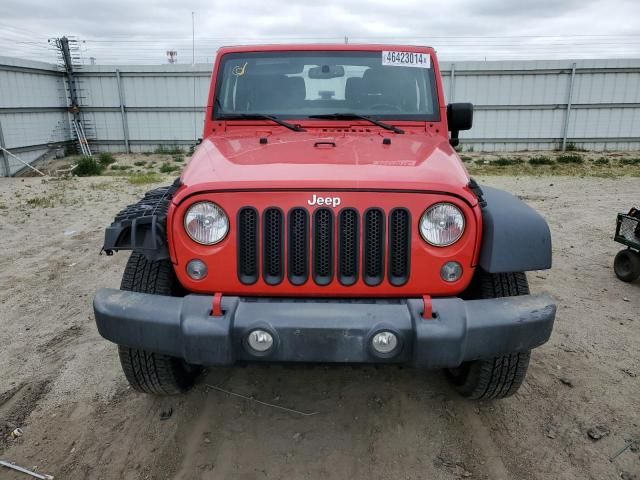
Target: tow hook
216 305
427 312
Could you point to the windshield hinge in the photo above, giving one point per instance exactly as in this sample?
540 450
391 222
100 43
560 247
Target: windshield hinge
477 191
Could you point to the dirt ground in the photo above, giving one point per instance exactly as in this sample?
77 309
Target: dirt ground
61 383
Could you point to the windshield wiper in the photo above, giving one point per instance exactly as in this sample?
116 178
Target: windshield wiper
339 116
261 116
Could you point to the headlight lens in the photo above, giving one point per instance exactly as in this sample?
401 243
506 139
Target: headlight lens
442 224
206 223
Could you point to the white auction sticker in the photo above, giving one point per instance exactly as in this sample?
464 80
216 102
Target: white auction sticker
406 59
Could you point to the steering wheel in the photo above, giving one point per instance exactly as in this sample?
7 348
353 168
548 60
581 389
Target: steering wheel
388 106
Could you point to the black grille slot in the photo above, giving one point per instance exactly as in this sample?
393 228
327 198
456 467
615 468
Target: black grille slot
323 246
273 252
373 248
348 246
399 246
248 245
298 250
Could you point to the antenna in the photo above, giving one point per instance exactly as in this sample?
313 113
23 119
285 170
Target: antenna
69 53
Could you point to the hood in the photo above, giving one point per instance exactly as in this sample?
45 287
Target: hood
325 161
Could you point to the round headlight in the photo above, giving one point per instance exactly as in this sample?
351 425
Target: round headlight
442 224
206 223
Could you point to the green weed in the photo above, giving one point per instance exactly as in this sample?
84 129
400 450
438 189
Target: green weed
173 150
571 147
570 158
106 158
87 167
505 162
168 168
630 161
541 160
144 178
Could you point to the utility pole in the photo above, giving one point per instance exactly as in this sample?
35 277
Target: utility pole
68 66
567 118
74 108
193 63
4 157
193 38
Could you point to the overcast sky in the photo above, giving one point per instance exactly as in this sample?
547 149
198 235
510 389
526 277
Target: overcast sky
141 31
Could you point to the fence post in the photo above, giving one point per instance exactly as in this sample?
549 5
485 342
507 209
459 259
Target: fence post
5 157
452 88
123 113
568 114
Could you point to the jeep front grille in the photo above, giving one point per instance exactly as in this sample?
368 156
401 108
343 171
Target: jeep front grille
314 248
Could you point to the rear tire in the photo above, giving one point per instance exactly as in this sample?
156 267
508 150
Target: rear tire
626 265
499 377
150 372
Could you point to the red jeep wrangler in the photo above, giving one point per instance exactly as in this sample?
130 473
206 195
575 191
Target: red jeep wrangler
326 217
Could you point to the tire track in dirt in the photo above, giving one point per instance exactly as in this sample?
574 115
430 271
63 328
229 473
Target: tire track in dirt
199 443
16 405
371 424
480 437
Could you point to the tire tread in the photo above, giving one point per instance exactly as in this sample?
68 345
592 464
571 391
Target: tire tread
151 372
633 258
502 376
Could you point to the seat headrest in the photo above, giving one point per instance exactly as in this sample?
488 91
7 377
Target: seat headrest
353 91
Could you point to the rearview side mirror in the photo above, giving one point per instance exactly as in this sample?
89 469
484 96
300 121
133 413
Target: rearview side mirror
459 117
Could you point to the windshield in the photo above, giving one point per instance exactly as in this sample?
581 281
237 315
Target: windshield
306 84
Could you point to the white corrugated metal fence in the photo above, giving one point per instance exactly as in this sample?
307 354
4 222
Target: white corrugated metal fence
534 105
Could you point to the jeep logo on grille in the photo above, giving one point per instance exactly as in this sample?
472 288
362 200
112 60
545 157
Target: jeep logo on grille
328 201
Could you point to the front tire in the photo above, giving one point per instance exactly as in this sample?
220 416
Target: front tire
150 372
499 377
626 265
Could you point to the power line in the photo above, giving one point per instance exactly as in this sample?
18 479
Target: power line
152 49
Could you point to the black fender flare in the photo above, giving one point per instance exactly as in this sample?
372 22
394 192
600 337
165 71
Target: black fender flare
142 226
515 238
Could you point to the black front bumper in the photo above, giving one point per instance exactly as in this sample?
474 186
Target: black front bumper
324 331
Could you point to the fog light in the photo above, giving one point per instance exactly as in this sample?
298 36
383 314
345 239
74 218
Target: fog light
451 271
384 342
196 269
260 340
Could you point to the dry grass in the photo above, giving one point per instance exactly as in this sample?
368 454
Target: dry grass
554 163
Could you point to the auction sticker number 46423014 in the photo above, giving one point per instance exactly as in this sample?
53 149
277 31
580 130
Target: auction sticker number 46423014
406 59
